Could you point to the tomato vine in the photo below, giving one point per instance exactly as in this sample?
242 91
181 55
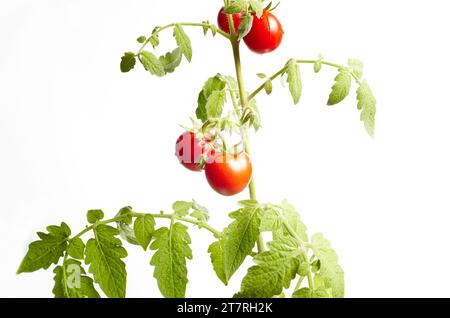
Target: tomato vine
290 254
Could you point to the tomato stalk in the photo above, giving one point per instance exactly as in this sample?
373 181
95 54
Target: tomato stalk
244 103
200 224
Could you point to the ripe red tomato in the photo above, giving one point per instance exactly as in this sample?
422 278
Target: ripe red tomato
266 34
222 21
189 150
229 174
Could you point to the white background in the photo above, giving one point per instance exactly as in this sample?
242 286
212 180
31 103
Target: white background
76 134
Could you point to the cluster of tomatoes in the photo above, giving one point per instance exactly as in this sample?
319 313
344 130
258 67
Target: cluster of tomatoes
228 173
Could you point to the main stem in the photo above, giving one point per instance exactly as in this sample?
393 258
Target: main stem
244 103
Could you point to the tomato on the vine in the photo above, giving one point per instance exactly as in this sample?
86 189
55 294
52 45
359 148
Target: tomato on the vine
190 150
265 35
229 174
222 20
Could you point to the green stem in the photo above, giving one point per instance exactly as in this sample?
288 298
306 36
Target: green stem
171 25
280 72
299 282
244 104
200 224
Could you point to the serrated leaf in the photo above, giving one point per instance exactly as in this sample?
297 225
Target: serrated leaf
216 250
357 67
368 106
183 41
152 64
104 255
181 208
144 227
255 119
268 87
245 26
154 40
330 271
240 238
213 84
71 281
294 80
292 217
47 250
94 216
257 7
270 221
214 104
341 87
76 248
171 60
172 249
127 62
274 271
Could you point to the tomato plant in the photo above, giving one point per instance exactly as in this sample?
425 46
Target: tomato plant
292 263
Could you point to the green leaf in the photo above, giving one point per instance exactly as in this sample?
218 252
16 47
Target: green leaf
214 104
292 217
302 293
183 41
294 80
76 248
257 7
236 6
127 63
255 119
261 75
199 212
47 250
245 26
330 271
141 39
154 39
172 249
152 64
268 87
357 67
71 281
341 87
270 221
126 232
144 227
94 216
171 60
317 66
214 84
274 271
240 238
205 28
104 255
368 106
181 208
216 250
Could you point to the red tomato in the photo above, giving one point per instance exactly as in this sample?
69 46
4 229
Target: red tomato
222 21
229 174
189 150
266 34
